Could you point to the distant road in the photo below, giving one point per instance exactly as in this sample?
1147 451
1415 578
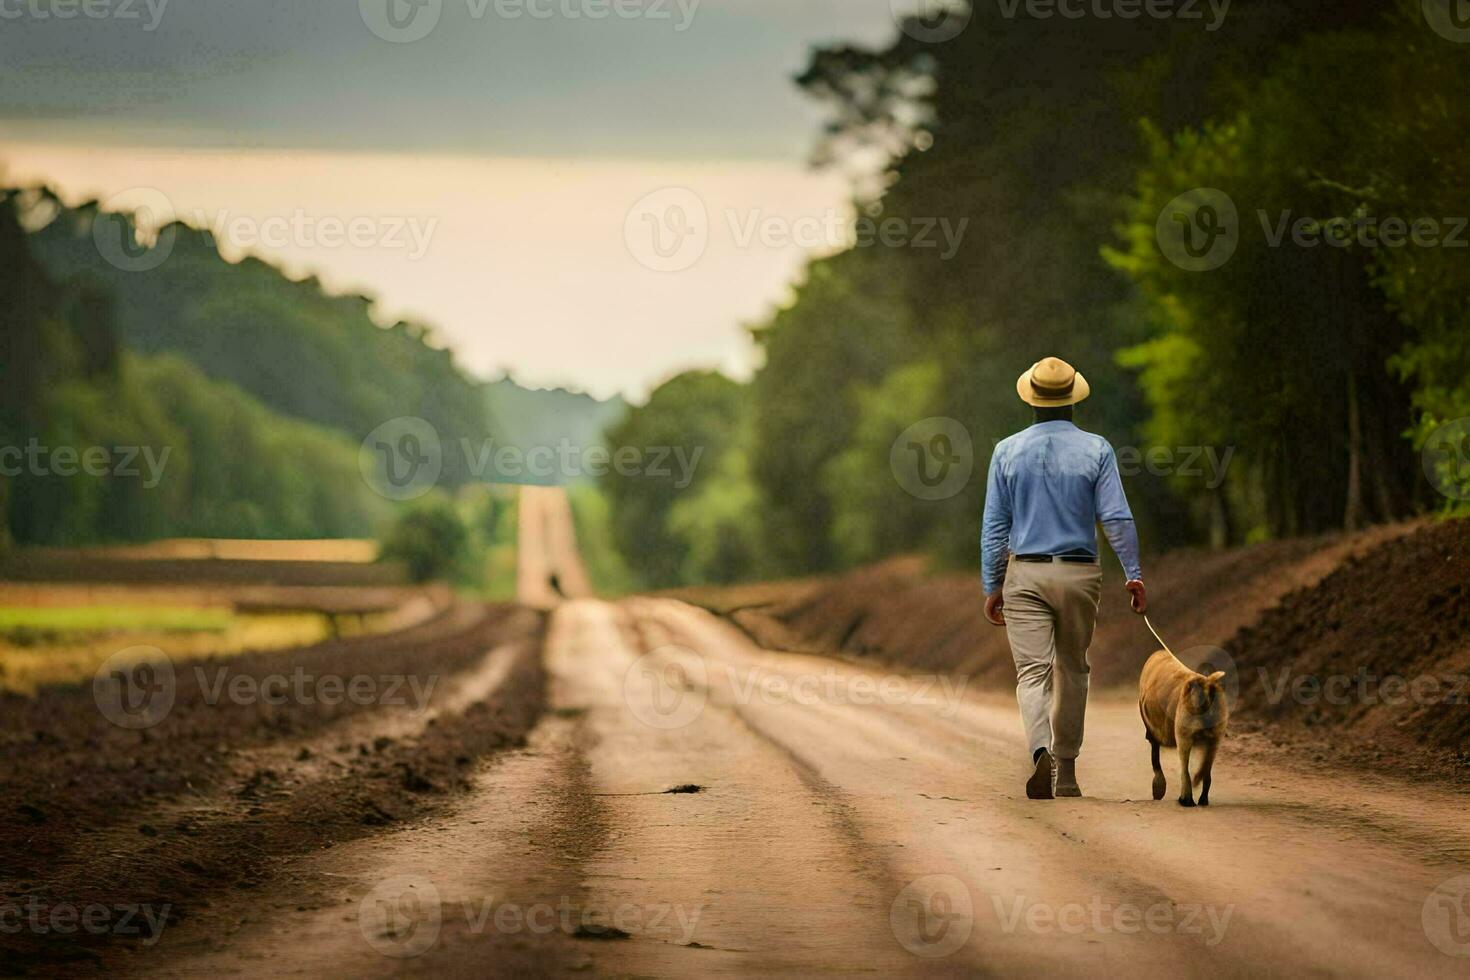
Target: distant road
548 565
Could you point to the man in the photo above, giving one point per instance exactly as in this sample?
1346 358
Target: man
1049 487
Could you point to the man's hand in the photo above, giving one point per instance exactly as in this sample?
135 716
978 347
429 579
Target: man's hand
1139 596
995 609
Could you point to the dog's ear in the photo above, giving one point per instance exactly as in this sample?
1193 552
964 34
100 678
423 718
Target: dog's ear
1216 677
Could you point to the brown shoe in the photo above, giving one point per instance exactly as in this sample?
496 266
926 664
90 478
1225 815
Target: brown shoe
1067 778
1038 787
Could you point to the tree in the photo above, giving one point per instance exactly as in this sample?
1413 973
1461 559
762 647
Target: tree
300 351
873 515
689 422
181 454
848 327
721 527
430 539
1286 349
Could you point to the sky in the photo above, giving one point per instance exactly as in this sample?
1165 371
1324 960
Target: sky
593 193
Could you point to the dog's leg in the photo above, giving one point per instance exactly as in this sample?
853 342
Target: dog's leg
1203 776
1160 783
1186 788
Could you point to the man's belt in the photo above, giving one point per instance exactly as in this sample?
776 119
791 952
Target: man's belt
1079 559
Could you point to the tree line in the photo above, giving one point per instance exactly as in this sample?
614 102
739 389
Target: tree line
1196 219
246 394
299 350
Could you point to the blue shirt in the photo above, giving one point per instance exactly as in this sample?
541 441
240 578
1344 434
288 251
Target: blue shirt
1049 487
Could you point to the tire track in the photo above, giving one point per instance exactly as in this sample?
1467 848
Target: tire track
1297 900
756 875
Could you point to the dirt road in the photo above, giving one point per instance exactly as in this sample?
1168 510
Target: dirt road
548 565
840 821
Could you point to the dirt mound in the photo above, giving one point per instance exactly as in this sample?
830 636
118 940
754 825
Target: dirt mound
1381 646
215 795
897 612
1350 648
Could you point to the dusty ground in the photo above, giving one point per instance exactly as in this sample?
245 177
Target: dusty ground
1353 650
211 798
840 831
685 802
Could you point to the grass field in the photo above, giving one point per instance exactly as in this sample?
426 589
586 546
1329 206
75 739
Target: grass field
60 619
60 645
28 626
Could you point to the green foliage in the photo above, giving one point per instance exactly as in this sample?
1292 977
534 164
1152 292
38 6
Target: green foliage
430 539
695 417
1020 133
300 351
175 453
594 523
1303 362
721 525
269 477
848 327
490 514
873 515
1298 355
213 462
1412 161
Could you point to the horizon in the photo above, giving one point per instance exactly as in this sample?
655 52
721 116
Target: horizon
510 222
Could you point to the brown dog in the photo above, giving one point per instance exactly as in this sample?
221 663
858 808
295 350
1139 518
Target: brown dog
1182 709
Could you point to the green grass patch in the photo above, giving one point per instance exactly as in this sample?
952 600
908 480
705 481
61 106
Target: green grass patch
31 625
499 550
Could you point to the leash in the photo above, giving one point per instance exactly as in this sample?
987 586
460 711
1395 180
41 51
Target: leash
1156 634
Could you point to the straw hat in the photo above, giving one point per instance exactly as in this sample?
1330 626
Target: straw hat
1052 383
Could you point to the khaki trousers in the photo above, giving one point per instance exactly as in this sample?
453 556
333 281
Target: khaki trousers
1050 610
